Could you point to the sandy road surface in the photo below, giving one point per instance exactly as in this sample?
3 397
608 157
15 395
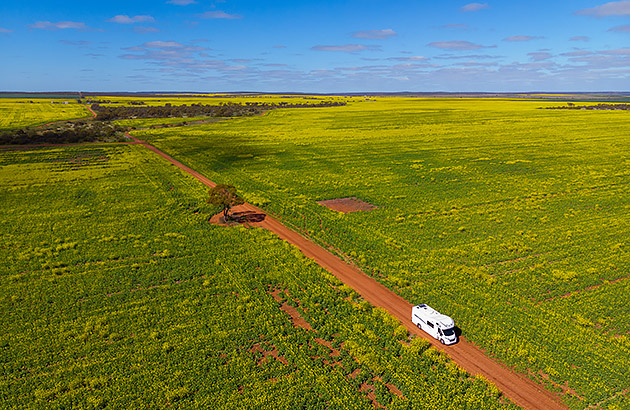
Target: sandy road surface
521 390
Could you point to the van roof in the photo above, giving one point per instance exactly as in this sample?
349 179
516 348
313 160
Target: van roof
445 322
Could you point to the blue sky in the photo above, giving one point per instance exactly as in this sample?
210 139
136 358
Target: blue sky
315 46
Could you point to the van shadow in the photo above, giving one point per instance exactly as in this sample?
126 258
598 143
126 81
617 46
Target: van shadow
458 332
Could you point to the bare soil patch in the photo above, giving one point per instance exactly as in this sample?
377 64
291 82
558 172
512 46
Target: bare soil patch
565 387
394 390
238 217
345 205
296 317
333 352
354 373
369 390
268 353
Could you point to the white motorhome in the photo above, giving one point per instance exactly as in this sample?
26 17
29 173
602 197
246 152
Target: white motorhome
434 323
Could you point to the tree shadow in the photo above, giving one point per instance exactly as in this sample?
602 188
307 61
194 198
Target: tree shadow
248 216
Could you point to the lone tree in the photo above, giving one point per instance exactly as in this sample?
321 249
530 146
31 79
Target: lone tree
226 197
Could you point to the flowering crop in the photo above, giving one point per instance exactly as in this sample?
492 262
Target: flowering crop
509 218
17 113
116 292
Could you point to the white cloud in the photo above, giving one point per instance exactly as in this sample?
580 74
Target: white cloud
124 19
169 54
474 7
181 2
456 45
604 60
577 53
520 38
62 25
375 34
471 56
620 29
80 43
616 52
456 26
5 30
477 64
613 8
234 67
142 30
579 38
540 56
413 58
346 48
219 15
162 44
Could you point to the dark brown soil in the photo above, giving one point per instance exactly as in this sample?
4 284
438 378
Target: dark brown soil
345 205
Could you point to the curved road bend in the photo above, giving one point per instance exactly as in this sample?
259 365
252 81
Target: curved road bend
518 388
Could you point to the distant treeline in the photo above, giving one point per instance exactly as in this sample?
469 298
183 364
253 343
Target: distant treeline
112 102
64 133
571 106
104 113
100 130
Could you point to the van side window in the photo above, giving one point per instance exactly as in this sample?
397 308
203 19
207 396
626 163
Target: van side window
429 323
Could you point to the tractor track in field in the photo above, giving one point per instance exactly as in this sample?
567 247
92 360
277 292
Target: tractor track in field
516 387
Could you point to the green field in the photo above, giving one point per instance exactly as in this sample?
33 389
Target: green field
156 122
115 292
18 113
511 219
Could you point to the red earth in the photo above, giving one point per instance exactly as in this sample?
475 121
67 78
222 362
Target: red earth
345 205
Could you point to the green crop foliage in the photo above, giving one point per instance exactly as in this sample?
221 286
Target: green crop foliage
116 292
509 218
151 122
18 113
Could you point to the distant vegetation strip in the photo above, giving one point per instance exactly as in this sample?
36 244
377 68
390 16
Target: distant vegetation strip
571 106
163 122
65 133
138 110
137 115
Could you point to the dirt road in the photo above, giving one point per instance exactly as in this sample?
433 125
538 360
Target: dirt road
90 109
518 388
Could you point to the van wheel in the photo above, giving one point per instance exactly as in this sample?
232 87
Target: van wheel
442 341
419 326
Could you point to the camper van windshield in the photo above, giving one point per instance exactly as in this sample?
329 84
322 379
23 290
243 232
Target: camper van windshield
448 332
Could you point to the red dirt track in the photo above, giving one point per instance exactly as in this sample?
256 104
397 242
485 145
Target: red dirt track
90 109
516 387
